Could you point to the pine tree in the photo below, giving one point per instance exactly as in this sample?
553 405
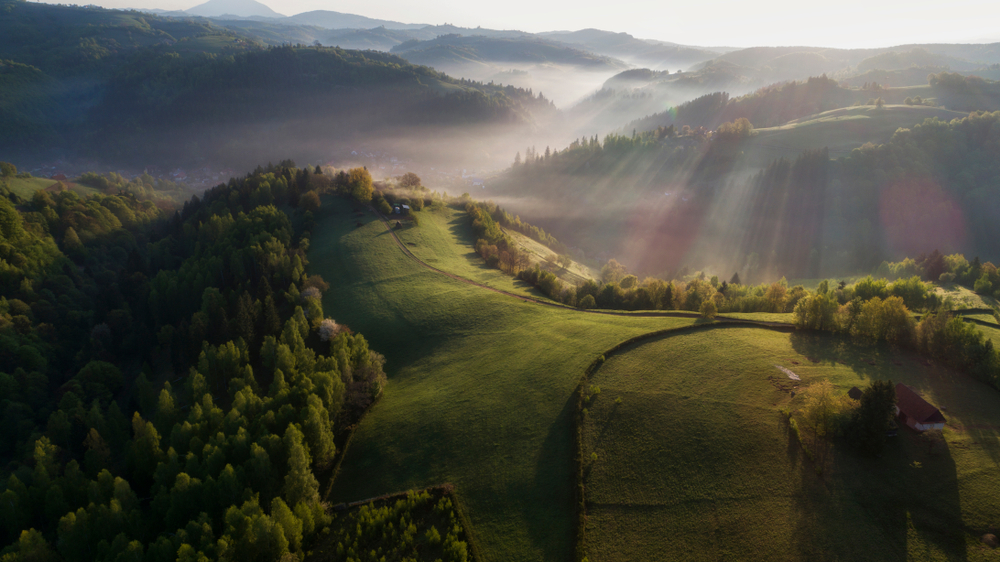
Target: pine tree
300 483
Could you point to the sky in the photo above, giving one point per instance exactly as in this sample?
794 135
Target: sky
853 23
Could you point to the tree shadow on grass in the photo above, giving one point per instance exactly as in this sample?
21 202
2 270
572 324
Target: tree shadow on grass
549 505
955 391
900 505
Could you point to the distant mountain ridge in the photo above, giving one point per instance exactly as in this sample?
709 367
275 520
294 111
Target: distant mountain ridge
239 8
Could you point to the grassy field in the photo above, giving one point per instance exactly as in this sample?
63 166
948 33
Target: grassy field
441 241
840 130
480 387
574 274
964 297
695 462
27 187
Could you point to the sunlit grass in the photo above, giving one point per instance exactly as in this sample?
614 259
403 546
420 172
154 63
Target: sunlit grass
840 130
26 187
481 384
695 463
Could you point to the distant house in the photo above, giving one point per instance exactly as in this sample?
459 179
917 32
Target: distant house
916 412
855 393
406 207
59 177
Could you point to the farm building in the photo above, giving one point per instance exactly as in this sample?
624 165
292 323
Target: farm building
916 412
855 393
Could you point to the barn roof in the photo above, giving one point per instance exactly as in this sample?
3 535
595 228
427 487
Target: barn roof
915 407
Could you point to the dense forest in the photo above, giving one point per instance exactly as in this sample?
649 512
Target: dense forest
170 386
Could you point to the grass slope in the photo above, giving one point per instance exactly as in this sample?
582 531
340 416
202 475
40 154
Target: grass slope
26 187
442 241
481 384
840 130
695 462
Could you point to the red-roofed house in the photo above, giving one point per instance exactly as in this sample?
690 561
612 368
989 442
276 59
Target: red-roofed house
916 412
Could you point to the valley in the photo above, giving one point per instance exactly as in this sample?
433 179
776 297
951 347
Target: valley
282 283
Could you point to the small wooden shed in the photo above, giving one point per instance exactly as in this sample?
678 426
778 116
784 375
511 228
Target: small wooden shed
916 412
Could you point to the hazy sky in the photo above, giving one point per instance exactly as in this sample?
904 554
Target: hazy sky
852 23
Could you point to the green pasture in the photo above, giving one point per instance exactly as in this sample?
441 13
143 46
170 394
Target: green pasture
695 462
443 241
574 274
26 187
840 130
963 297
480 387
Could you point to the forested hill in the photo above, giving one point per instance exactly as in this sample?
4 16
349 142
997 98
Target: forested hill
664 199
169 386
300 96
780 103
129 86
455 48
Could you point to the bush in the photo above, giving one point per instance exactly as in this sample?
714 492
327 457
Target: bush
983 285
708 309
913 291
587 302
884 320
309 202
817 312
8 170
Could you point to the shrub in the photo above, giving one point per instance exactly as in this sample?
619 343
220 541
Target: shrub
913 291
708 309
983 285
817 312
587 302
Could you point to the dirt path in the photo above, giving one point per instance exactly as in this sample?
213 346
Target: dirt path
552 304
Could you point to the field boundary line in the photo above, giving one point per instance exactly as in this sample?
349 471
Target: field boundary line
580 540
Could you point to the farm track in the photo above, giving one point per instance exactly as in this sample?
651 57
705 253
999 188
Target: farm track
646 314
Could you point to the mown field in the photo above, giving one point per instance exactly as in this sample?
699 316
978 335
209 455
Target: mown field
695 461
481 385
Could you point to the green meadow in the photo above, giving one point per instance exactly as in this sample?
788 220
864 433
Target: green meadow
695 462
480 387
693 459
840 130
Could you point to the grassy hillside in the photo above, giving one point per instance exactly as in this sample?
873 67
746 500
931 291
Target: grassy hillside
480 384
840 130
695 463
26 187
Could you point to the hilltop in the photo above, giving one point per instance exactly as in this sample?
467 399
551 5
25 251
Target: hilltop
240 8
